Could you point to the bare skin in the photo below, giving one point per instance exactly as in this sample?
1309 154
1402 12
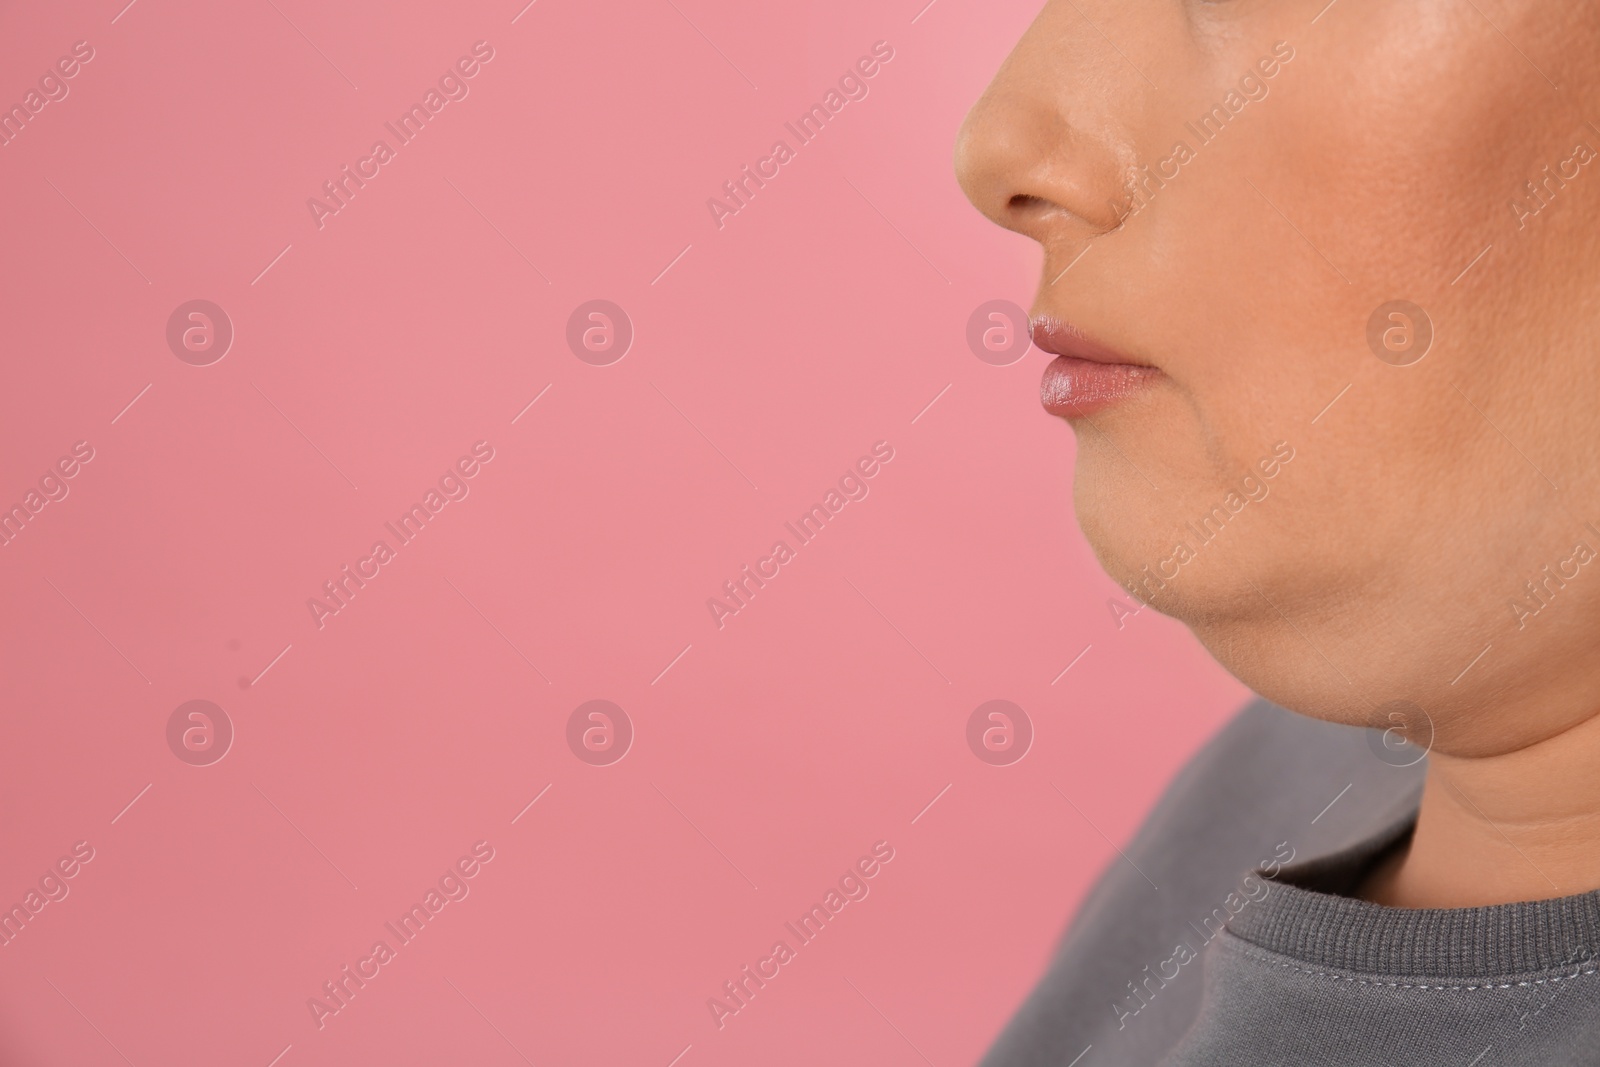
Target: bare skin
1436 537
1524 825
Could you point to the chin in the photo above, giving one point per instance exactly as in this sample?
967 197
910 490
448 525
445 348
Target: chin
1134 532
1228 592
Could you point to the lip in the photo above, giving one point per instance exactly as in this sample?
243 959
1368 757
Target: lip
1086 376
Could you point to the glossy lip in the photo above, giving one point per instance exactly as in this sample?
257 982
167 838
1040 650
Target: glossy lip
1062 338
1086 376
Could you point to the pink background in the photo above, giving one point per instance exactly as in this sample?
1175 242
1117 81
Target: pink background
423 718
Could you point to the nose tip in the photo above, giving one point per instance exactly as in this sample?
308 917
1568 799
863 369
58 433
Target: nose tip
1027 169
992 158
1046 151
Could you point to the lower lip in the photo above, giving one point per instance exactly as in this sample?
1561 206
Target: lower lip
1074 387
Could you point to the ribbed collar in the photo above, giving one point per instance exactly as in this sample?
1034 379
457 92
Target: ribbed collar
1306 917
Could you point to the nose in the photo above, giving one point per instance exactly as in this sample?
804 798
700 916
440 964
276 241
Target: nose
1040 152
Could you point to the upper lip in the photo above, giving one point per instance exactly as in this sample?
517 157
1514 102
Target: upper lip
1064 339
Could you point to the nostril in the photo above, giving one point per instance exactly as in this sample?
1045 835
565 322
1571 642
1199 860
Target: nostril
1029 206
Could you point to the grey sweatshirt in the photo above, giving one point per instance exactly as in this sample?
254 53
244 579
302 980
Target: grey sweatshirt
1226 936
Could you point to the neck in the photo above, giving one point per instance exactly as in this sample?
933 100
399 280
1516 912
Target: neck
1520 825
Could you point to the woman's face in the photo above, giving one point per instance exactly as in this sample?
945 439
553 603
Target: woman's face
1240 194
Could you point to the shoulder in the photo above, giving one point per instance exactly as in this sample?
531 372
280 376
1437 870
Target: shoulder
1270 786
1269 778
